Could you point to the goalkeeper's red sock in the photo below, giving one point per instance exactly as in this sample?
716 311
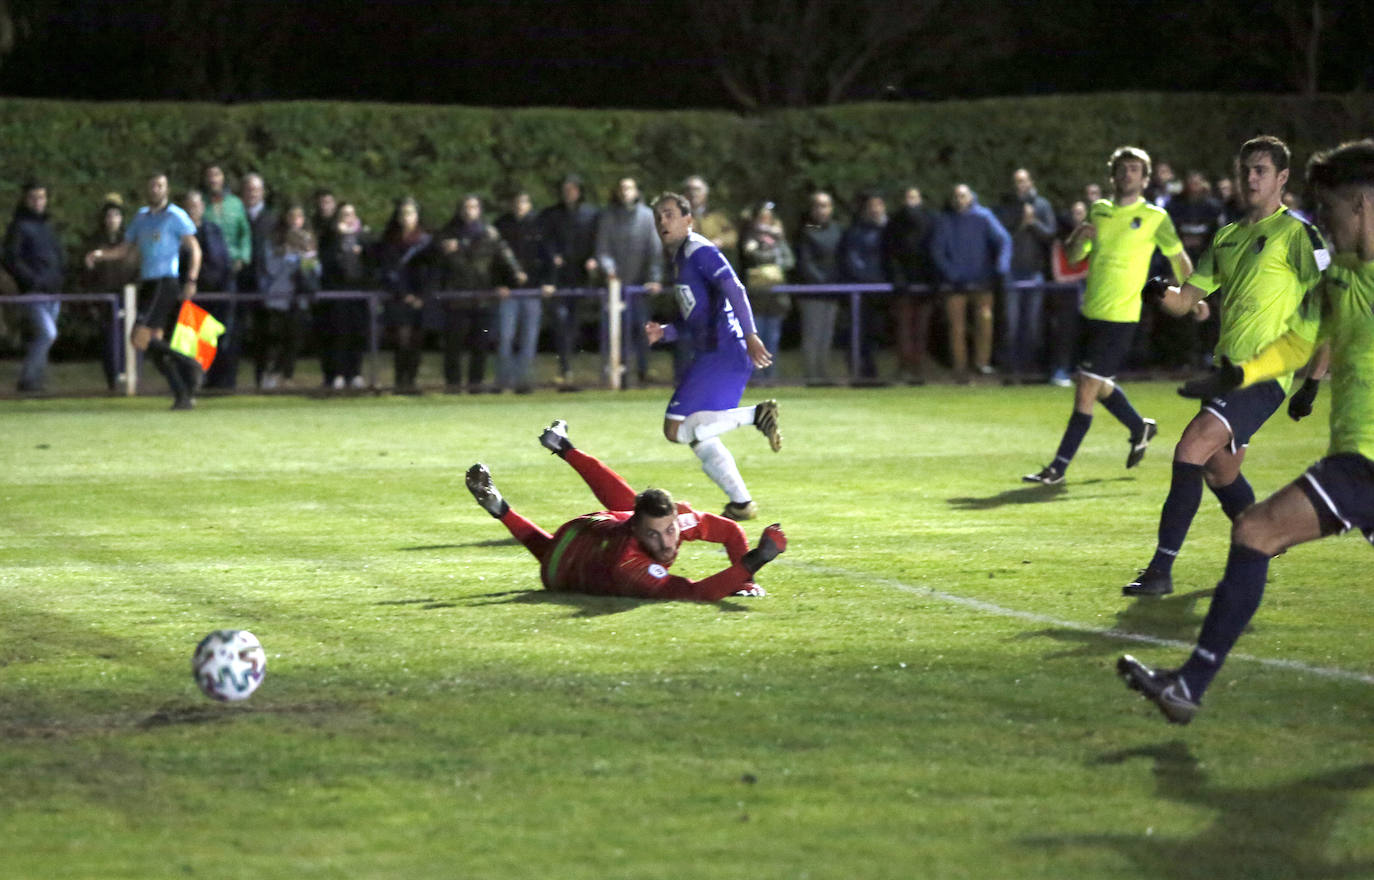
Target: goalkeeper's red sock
610 488
535 539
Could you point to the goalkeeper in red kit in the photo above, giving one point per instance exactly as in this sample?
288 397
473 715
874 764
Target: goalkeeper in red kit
626 549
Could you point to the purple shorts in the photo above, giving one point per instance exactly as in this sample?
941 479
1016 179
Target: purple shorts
714 380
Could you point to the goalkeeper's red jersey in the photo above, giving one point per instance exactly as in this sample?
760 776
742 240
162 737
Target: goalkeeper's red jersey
598 554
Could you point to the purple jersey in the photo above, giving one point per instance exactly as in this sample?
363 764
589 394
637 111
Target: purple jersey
712 304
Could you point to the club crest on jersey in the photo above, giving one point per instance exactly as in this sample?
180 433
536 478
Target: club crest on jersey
686 300
1259 243
658 571
1135 222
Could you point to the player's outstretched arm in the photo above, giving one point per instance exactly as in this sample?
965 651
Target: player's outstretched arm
1300 404
719 530
1283 355
1223 378
1320 364
771 543
1182 265
1080 241
633 580
1177 301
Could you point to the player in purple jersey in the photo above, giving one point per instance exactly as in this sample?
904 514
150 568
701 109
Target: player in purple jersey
718 324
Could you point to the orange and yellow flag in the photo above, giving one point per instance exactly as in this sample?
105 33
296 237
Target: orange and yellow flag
197 334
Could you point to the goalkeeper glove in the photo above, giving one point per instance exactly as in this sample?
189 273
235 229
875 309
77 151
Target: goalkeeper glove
1300 404
1222 379
1155 289
771 543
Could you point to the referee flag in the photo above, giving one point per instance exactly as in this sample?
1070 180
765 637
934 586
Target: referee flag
197 334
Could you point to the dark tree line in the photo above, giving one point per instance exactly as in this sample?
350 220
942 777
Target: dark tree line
743 54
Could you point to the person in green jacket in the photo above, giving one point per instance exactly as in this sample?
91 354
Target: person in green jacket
225 209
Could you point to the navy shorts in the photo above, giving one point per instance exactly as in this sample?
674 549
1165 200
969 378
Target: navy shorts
159 303
1341 489
714 380
1103 346
1244 410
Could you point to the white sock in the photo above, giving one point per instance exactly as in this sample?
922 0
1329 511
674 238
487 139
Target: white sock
712 423
720 466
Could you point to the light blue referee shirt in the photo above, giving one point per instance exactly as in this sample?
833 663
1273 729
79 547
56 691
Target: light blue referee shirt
158 237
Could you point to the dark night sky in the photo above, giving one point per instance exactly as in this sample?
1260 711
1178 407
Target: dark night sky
643 54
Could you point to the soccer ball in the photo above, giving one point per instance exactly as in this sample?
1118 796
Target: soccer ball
229 664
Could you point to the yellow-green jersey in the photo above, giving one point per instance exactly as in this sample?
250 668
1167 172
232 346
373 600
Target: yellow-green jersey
1119 257
1266 272
1347 323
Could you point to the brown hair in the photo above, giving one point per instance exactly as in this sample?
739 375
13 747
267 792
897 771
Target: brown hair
1128 152
683 204
1266 143
1350 164
654 503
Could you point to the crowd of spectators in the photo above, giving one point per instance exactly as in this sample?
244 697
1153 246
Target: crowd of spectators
976 290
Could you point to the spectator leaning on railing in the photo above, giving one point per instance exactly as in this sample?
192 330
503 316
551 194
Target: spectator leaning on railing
972 251
1029 219
406 274
570 242
108 276
861 261
817 252
33 255
518 318
226 211
906 248
216 266
288 278
628 250
471 255
767 258
343 323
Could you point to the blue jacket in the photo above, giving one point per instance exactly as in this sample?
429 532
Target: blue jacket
861 254
216 268
971 249
33 254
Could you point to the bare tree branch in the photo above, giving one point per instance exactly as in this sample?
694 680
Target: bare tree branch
769 53
1303 22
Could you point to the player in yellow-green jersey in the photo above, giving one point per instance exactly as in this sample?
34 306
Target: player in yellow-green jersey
1265 266
1119 238
1337 493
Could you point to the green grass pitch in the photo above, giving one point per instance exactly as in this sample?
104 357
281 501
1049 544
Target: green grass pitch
927 691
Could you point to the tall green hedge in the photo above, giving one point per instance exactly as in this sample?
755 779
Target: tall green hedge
372 153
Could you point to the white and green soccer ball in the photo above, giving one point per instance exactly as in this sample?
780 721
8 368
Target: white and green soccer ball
229 664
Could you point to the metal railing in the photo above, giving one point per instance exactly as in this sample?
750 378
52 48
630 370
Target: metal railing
856 292
614 296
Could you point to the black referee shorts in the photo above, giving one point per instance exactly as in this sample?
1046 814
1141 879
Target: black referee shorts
159 302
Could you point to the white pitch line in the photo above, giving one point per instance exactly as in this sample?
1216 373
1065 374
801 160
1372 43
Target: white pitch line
1032 617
